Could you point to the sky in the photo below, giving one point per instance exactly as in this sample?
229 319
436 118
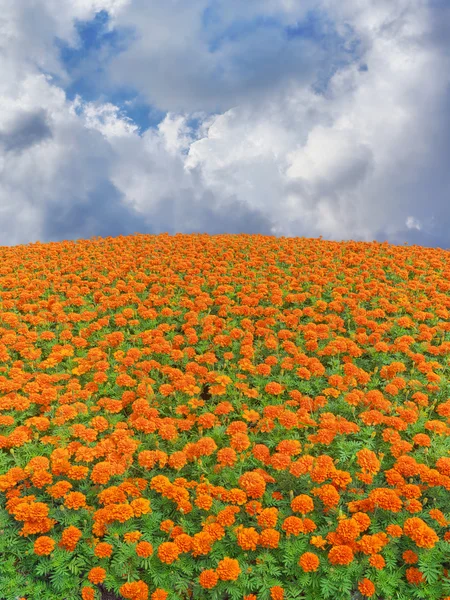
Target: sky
276 117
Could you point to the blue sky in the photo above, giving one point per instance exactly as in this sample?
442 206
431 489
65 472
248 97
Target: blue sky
275 117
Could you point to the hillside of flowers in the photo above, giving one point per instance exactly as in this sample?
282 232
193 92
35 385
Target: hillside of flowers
230 417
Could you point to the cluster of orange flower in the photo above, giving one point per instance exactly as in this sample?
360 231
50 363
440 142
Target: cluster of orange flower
263 391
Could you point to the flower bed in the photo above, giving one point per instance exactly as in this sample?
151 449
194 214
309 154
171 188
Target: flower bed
226 418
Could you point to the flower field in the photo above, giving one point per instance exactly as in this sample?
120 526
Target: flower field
231 417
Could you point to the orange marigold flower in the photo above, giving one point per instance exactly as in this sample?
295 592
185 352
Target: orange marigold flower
60 489
362 519
372 544
328 494
253 484
377 561
228 569
386 499
70 537
166 525
268 517
309 562
140 506
43 545
201 543
340 555
302 504
87 593
414 576
227 457
410 557
248 538
168 552
348 530
368 461
276 593
422 439
204 501
240 442
269 538
236 496
144 549
159 594
308 525
416 529
208 579
366 588
103 550
97 575
132 536
438 516
135 590
293 526
394 531
75 500
318 541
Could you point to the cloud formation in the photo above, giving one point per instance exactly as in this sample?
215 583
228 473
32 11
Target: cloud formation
327 119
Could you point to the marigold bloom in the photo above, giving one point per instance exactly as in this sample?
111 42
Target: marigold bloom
227 457
44 545
309 562
168 552
340 555
87 593
268 517
135 590
302 504
97 575
348 530
204 501
368 461
293 526
140 506
394 531
132 536
75 500
377 561
248 538
438 516
416 529
276 593
410 557
414 576
144 549
328 494
372 544
208 579
240 442
253 484
228 569
318 541
269 538
70 537
366 588
103 550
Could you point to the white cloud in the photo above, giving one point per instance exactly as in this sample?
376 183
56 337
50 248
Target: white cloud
355 162
413 223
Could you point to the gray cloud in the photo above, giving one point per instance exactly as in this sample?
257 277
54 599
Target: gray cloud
101 213
27 129
179 65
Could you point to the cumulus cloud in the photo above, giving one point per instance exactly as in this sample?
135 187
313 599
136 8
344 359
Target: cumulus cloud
324 119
